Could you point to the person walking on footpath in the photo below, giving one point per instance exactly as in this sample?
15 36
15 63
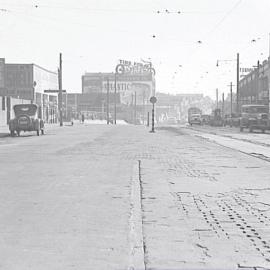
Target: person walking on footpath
82 118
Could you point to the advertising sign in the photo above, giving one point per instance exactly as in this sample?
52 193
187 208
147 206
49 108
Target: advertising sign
136 67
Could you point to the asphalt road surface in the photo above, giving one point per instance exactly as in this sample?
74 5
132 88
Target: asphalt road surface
117 197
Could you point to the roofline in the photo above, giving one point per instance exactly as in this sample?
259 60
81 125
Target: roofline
32 64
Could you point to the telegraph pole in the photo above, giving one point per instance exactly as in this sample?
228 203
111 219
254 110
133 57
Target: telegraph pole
60 95
115 86
258 82
231 96
217 97
143 107
132 113
223 105
135 108
237 84
108 102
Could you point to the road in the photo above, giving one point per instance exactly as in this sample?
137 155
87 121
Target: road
117 197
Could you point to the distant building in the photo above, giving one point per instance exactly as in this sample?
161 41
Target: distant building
28 82
75 104
126 85
254 87
177 105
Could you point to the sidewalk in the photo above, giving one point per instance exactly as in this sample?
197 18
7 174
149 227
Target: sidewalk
4 132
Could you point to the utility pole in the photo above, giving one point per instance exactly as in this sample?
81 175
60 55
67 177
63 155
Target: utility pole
231 97
217 97
108 102
135 108
143 107
132 113
237 84
60 94
115 86
258 81
223 105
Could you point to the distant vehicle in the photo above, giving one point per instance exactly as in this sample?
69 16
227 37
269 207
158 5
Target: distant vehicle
254 117
194 116
232 120
206 119
26 119
171 121
216 118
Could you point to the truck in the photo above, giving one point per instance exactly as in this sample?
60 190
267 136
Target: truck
194 116
254 116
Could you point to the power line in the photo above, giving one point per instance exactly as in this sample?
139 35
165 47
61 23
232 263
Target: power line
224 17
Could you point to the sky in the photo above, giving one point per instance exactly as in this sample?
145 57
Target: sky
184 39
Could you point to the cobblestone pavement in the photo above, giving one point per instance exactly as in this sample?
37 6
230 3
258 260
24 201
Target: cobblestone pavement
204 206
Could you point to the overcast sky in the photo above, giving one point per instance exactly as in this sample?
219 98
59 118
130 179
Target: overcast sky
183 38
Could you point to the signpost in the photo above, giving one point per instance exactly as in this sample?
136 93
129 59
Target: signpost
153 100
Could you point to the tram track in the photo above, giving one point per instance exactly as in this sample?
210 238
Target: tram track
244 151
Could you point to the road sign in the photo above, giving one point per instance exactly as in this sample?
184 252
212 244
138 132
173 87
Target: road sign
153 100
54 91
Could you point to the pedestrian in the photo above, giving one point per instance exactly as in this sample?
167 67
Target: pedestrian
82 118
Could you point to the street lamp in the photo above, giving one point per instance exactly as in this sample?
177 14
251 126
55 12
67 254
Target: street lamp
237 78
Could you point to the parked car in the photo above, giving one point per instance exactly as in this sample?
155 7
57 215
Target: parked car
206 119
26 119
254 117
171 120
195 119
232 120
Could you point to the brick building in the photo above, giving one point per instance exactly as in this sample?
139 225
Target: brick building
28 82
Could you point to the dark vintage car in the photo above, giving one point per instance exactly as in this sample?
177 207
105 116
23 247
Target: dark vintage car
206 119
26 119
232 120
254 117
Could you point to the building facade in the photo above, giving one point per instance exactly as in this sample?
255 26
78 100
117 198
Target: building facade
28 82
126 85
254 87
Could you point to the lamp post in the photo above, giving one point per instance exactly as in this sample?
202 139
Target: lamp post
108 102
153 100
237 78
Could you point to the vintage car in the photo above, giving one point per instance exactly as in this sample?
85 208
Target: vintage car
206 119
254 117
195 119
232 120
26 119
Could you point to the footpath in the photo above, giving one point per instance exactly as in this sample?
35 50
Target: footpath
4 130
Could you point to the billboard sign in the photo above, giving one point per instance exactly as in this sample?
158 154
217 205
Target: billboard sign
136 67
